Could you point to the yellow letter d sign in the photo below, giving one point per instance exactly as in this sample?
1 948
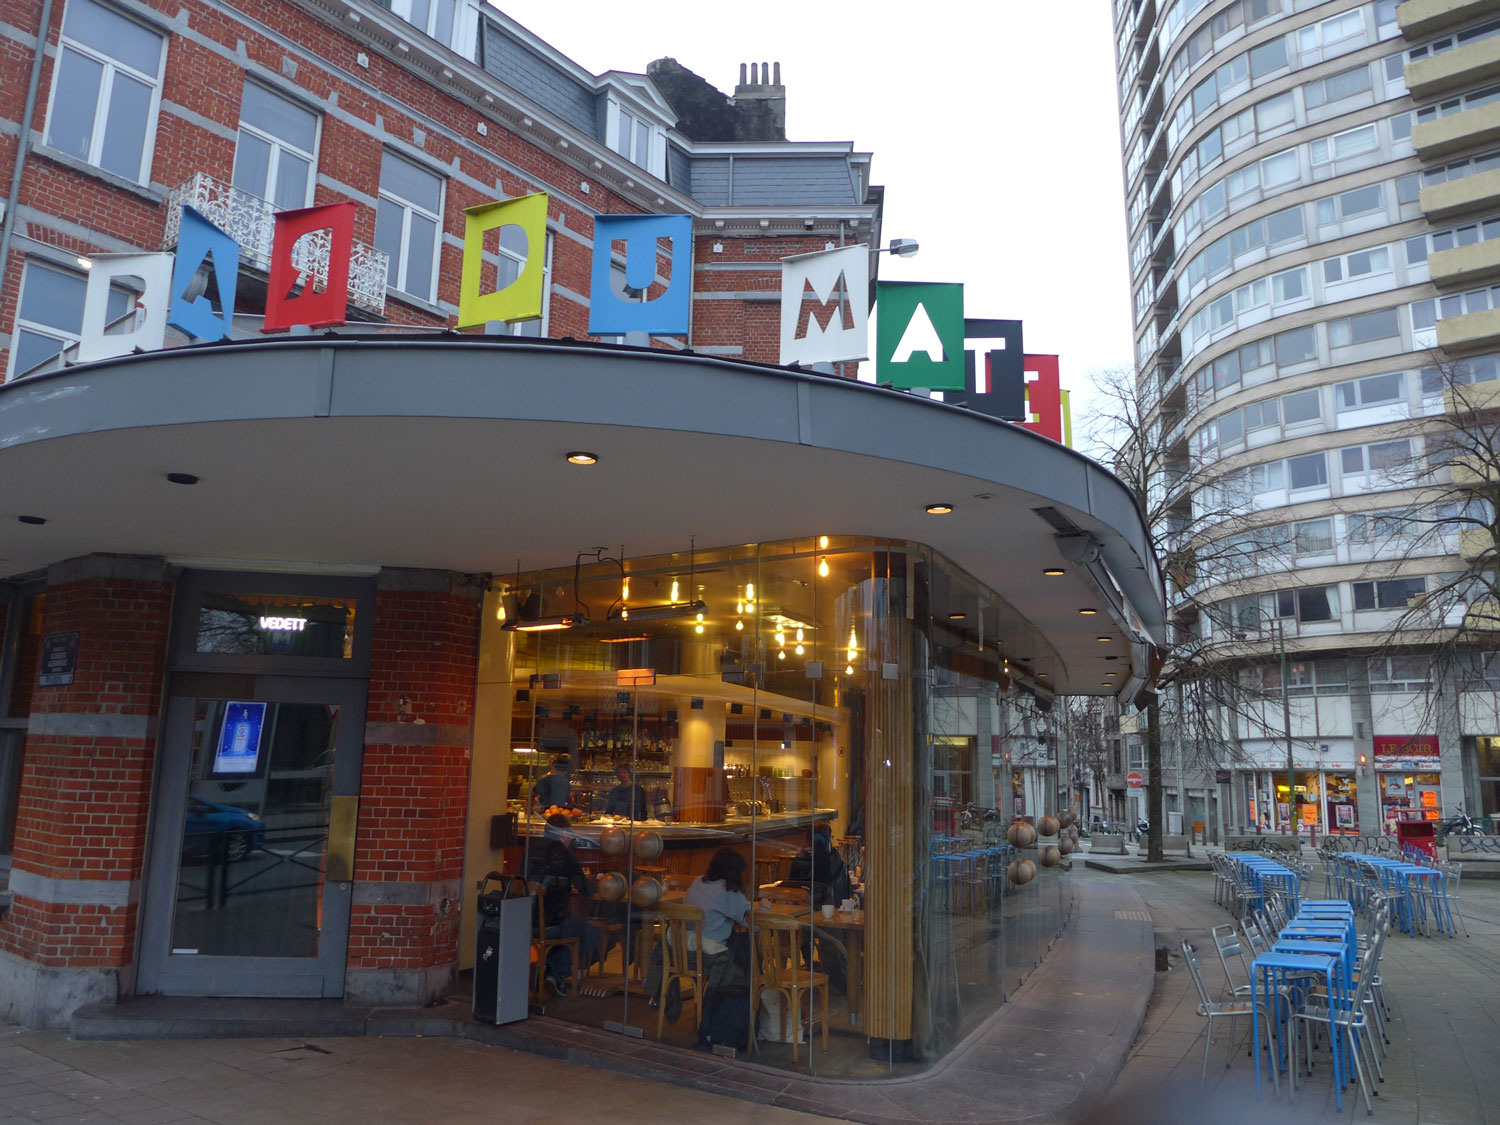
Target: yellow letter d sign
521 299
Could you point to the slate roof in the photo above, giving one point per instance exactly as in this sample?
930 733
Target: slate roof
538 79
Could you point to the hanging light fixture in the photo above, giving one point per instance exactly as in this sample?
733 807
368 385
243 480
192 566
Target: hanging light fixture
823 566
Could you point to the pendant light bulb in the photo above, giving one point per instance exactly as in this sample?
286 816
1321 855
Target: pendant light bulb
823 542
739 607
499 609
698 628
674 591
822 568
749 591
799 632
849 670
799 650
780 638
781 655
625 589
738 625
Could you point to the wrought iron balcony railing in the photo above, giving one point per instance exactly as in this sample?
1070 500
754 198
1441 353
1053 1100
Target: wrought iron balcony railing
250 221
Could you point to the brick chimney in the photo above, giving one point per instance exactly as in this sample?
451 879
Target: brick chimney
763 98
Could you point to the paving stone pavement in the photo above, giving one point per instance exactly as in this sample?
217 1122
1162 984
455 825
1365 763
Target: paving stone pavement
1442 1066
44 1076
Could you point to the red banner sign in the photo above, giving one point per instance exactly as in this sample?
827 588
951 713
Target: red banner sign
1406 746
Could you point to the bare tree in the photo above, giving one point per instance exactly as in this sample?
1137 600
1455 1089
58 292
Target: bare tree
1207 534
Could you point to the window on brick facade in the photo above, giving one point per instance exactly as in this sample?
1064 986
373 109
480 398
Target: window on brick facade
106 87
50 316
276 151
434 17
636 139
408 225
512 259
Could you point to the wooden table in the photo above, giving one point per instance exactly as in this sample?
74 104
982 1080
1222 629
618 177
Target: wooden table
850 927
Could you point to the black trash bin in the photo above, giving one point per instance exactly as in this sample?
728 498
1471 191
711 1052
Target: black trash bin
502 950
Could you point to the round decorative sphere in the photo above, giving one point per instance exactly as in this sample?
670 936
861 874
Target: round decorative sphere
1067 817
1066 845
1048 826
612 887
1021 871
614 841
1010 833
649 846
645 892
1049 857
1073 833
1025 835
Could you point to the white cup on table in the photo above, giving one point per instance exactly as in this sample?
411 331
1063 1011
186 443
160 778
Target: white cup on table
828 911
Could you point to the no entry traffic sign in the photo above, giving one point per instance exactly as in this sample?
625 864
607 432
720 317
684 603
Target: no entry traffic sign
1134 780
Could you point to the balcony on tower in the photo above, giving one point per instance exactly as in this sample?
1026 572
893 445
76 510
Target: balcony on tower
1465 265
1478 192
1474 124
251 221
1466 65
1421 18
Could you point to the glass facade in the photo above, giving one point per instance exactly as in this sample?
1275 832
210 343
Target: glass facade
839 714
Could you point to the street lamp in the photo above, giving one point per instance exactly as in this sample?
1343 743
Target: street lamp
901 247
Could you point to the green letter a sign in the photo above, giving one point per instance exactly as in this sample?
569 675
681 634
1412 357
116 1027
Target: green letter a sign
919 338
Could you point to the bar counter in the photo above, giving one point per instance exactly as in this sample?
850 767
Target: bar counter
687 847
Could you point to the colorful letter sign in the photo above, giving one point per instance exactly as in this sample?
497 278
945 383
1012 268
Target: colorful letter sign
522 298
919 340
198 242
150 329
309 307
1043 397
667 315
824 299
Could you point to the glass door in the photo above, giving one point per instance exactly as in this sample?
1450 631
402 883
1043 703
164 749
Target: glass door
252 847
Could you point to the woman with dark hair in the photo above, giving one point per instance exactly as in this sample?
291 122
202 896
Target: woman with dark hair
720 893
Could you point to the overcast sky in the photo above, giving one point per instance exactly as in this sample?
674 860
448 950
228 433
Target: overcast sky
993 127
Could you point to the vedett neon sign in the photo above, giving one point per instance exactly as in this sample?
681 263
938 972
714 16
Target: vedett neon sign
283 624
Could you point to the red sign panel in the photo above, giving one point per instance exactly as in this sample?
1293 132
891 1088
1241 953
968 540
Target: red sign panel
1134 780
1406 746
310 306
1043 397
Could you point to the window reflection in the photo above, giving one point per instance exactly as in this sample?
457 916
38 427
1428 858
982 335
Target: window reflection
839 713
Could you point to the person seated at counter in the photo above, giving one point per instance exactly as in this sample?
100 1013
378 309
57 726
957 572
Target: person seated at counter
556 869
555 785
720 893
821 868
627 798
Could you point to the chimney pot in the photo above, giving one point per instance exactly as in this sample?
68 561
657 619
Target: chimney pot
755 74
742 74
777 80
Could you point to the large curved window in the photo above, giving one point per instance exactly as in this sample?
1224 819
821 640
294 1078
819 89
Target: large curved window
844 717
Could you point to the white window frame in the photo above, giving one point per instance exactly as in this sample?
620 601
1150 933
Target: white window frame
106 89
407 208
621 138
36 328
273 162
518 328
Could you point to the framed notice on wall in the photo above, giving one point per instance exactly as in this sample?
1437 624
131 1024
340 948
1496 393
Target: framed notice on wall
238 751
59 660
1345 814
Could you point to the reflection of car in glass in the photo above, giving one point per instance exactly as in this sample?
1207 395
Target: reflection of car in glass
219 831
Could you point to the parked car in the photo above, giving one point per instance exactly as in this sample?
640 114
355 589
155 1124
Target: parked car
216 831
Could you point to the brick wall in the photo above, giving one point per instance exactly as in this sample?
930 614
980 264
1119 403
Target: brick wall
403 929
86 781
206 70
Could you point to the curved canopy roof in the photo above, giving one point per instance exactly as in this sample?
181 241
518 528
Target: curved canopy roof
349 452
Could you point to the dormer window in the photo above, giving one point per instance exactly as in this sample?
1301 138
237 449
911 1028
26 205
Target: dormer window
451 22
636 139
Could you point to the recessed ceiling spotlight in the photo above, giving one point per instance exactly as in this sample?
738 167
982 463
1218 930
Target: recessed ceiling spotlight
1111 658
957 616
579 457
1104 640
939 509
1088 612
1054 572
182 478
37 520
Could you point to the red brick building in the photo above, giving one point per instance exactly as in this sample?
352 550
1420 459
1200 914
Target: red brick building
278 660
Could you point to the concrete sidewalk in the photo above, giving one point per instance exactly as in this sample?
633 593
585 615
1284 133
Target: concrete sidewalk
1050 1054
1443 1065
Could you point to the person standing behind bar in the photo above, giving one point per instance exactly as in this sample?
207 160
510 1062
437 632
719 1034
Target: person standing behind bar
626 798
555 785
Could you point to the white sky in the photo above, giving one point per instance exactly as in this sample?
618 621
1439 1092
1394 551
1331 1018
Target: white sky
993 126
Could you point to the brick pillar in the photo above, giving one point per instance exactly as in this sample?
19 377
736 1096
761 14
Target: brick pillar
408 862
69 936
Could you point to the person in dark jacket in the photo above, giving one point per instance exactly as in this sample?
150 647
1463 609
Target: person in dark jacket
555 785
557 871
626 798
822 867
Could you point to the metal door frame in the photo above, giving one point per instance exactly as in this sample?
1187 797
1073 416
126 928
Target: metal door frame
170 973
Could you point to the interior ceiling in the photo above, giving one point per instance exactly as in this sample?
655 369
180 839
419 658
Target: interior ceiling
496 494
